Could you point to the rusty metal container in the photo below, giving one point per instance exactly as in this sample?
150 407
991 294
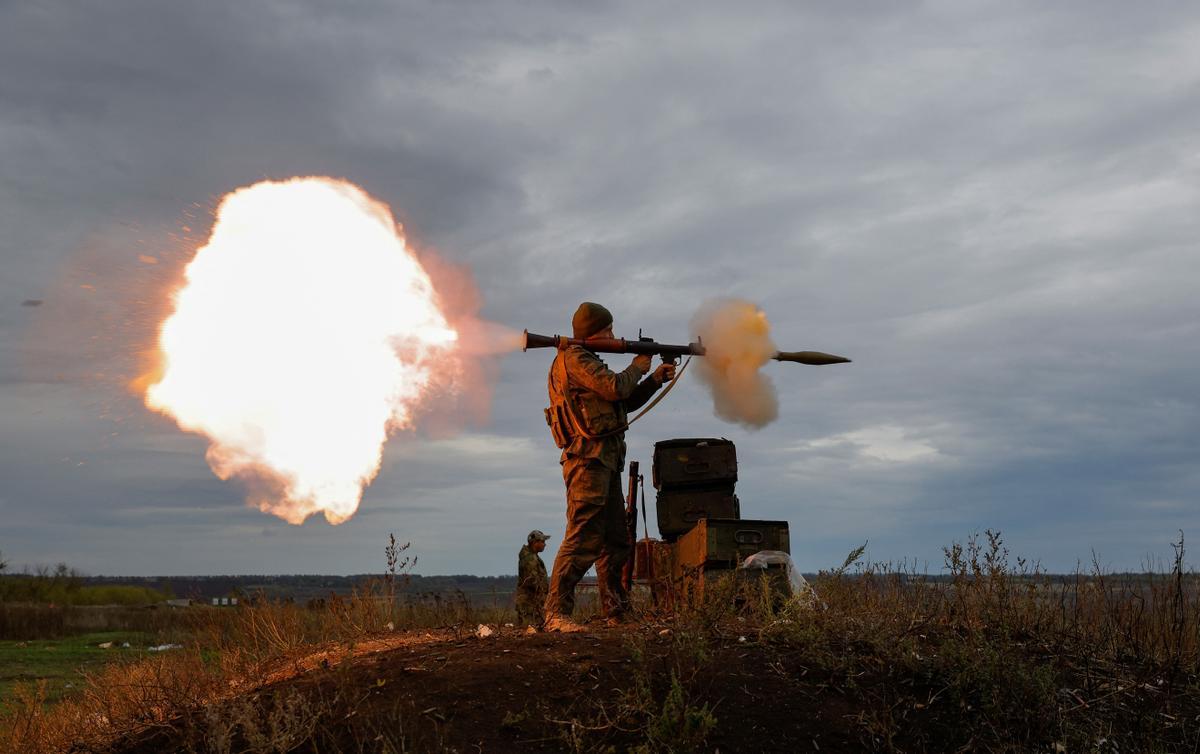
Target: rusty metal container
652 559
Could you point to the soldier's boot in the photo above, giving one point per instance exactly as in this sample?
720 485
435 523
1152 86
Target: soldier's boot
618 619
562 624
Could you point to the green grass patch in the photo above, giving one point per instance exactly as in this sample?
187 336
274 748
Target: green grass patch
61 662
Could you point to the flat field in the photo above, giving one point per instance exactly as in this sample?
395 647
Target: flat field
61 662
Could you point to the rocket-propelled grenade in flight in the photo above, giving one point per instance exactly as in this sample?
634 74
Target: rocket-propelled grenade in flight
669 353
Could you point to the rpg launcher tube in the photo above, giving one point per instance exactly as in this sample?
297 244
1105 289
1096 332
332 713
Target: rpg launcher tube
665 350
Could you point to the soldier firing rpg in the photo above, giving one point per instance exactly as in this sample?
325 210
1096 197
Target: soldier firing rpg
589 405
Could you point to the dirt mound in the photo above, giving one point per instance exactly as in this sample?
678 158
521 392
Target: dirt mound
517 692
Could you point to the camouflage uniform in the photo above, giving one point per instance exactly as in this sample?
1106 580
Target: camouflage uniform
531 587
596 532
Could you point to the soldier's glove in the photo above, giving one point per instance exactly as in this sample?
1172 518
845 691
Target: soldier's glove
665 373
642 362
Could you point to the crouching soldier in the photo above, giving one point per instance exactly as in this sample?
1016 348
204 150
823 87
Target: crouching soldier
532 584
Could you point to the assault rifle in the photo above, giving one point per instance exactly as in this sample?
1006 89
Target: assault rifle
631 514
669 353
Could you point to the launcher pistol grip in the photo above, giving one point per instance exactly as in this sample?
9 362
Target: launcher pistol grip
667 358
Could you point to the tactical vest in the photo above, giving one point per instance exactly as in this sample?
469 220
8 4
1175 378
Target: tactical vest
577 412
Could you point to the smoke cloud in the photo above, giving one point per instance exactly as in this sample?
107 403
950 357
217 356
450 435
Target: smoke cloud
462 395
737 337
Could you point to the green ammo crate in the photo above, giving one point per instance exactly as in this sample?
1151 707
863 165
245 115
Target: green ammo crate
679 511
694 462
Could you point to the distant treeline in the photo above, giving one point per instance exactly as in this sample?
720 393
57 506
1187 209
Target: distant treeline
303 587
64 586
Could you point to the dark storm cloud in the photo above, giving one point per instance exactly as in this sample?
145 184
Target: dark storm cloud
990 207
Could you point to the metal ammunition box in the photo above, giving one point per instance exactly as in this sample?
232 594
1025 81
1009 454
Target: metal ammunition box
694 462
679 511
725 542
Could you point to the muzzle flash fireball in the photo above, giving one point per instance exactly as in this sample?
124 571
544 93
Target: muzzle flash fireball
305 331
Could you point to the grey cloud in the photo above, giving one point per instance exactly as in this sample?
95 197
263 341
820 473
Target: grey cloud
989 206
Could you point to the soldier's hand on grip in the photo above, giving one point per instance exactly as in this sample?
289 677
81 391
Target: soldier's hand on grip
665 373
642 361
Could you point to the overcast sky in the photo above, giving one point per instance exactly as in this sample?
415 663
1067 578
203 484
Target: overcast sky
992 207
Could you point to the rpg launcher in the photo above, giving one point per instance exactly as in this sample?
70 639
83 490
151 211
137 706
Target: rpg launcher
669 353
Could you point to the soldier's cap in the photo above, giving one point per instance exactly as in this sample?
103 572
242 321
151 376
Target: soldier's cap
590 319
537 536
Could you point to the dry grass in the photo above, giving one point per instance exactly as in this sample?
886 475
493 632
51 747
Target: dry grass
997 656
993 656
231 653
33 621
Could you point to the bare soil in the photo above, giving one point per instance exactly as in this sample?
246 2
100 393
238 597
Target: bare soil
541 692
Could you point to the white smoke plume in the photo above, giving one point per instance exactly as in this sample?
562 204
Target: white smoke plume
737 337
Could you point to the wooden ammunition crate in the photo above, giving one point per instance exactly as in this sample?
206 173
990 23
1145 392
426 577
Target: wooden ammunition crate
694 462
690 586
726 542
679 511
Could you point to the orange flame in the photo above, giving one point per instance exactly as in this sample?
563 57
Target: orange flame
304 333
